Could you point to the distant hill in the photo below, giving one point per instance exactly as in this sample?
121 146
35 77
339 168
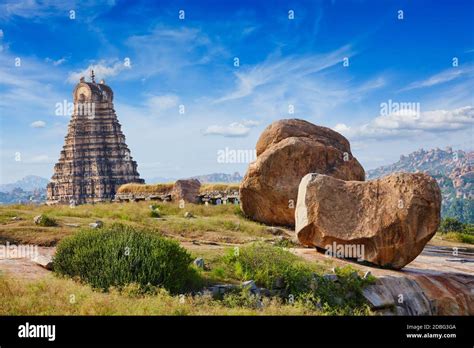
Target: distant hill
159 180
452 169
28 183
206 178
219 177
30 189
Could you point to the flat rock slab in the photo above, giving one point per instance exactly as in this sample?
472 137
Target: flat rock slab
448 287
43 261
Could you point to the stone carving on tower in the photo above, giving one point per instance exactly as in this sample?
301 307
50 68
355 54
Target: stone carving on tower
94 160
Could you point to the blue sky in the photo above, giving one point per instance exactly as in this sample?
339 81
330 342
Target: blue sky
333 64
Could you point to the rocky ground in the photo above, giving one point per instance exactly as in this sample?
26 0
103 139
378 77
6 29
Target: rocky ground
438 282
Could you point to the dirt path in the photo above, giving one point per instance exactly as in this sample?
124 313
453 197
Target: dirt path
21 265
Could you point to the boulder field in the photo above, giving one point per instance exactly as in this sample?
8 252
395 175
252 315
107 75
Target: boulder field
306 176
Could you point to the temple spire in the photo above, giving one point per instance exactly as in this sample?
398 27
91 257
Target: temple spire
92 76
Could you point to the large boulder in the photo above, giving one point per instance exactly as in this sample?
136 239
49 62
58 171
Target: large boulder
187 190
287 150
387 221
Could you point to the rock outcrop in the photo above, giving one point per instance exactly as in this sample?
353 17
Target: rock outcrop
287 150
389 219
95 160
187 190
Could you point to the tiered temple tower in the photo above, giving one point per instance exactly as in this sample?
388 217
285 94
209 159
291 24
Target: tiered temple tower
95 160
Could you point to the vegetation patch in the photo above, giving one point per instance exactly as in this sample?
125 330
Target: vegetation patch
454 230
302 283
119 255
218 187
146 188
45 221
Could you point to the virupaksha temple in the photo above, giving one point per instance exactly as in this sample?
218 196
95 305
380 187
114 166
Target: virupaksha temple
95 160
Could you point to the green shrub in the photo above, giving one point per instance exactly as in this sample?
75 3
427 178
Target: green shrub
469 229
459 237
451 225
46 221
270 265
155 213
242 298
120 255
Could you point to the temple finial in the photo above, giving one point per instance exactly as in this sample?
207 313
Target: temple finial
92 76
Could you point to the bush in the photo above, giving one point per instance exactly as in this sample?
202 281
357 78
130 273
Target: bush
469 229
155 213
120 255
459 237
46 221
269 265
451 225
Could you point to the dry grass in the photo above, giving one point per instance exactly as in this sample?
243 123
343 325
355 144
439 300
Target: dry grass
57 296
145 188
222 224
457 237
218 187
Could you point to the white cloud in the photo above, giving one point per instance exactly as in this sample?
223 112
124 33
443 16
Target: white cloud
38 124
162 102
166 47
277 70
250 123
45 9
55 62
411 124
39 159
235 129
101 70
442 77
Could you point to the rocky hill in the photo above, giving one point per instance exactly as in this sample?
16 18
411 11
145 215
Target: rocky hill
28 183
30 189
20 196
219 177
453 170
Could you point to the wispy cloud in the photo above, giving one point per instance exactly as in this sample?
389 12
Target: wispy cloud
278 70
46 9
235 129
408 124
166 47
162 102
38 124
102 70
442 77
55 62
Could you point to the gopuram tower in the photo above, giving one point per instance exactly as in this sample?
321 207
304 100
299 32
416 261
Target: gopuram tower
94 160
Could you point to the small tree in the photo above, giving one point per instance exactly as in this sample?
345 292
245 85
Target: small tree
451 225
